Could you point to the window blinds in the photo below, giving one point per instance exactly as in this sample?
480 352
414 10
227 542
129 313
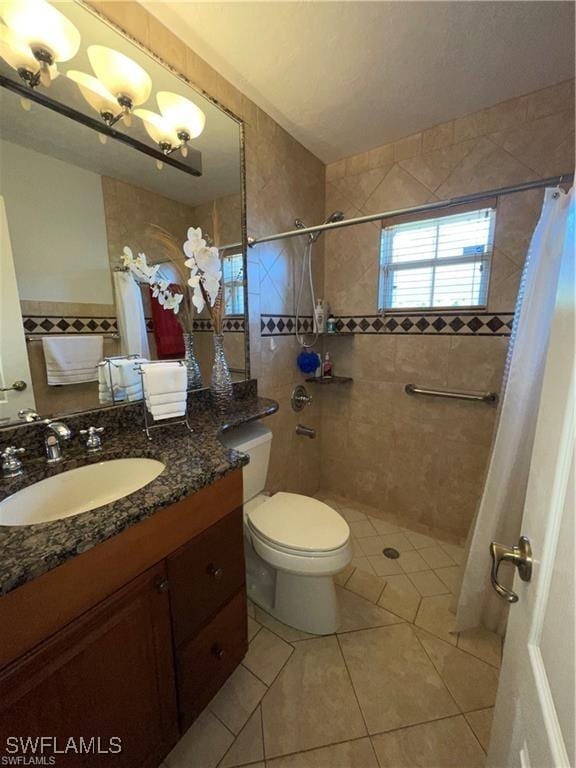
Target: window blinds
439 262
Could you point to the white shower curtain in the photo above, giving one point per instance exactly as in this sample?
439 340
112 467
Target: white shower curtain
131 319
499 515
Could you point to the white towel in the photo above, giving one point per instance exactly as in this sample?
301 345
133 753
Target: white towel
168 382
122 378
72 359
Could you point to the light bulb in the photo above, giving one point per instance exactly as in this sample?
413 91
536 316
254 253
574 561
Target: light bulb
182 114
47 32
26 104
123 78
96 95
158 129
20 57
102 138
159 165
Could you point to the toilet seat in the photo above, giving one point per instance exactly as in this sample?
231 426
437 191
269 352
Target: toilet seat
298 524
303 523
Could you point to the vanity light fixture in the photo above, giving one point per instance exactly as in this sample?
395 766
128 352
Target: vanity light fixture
35 38
186 119
125 81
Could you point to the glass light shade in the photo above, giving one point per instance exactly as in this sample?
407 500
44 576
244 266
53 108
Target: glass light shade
39 25
181 113
157 128
120 75
19 55
94 92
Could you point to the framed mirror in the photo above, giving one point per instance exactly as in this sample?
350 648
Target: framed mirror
104 151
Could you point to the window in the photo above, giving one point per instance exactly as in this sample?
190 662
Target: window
442 261
233 277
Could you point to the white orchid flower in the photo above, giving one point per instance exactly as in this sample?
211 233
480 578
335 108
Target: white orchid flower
212 287
173 301
195 240
208 261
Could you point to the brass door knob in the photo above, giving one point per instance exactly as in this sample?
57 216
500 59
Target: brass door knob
520 556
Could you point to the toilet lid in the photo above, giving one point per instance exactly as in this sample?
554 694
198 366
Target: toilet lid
300 523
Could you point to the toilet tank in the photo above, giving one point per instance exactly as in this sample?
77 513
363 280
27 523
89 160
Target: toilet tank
256 440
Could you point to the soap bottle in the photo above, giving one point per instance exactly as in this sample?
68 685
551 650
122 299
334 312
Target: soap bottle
319 316
327 367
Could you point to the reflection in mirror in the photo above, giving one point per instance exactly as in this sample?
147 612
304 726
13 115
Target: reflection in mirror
80 185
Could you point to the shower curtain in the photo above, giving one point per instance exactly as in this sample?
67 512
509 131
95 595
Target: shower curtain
499 515
131 319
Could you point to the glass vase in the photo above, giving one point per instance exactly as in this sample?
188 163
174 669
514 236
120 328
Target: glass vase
192 367
221 384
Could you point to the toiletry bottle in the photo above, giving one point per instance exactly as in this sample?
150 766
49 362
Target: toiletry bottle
327 366
319 316
331 324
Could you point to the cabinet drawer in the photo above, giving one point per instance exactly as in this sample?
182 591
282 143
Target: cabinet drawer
203 664
204 574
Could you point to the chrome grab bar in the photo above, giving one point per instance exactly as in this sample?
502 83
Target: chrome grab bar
483 397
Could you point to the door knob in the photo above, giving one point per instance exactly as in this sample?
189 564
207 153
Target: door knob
520 556
18 386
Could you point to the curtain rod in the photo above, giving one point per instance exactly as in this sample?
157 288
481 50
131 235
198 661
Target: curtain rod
550 182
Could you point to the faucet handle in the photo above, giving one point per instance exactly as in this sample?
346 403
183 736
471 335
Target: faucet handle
11 464
94 442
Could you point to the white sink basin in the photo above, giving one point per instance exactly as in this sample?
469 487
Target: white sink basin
78 490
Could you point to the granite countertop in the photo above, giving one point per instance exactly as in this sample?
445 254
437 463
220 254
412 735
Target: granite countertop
193 460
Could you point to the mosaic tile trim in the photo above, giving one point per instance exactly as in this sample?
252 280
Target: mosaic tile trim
44 325
231 325
424 323
284 325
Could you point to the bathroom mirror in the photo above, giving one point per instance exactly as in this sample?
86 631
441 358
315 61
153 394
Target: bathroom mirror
81 179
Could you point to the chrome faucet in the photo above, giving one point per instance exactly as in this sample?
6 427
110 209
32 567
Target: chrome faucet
56 431
11 464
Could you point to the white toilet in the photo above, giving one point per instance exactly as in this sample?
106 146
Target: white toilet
294 544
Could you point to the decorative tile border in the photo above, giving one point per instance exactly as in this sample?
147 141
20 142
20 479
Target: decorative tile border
423 324
284 325
44 325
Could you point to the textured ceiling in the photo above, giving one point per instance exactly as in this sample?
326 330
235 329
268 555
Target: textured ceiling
344 77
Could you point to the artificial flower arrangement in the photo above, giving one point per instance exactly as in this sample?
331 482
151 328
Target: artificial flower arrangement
201 270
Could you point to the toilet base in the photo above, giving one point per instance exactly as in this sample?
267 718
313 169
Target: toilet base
308 603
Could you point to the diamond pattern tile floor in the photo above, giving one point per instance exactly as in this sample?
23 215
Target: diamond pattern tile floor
391 690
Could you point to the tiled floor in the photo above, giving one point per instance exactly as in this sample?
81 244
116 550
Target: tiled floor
394 688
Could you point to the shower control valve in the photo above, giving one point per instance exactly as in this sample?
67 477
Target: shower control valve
300 398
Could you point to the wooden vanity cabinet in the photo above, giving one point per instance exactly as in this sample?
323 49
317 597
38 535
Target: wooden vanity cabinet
141 663
108 674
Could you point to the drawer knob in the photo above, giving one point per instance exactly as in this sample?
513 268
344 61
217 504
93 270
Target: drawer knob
215 571
217 651
162 585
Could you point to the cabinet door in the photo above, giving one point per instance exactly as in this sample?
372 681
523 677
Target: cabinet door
108 675
204 574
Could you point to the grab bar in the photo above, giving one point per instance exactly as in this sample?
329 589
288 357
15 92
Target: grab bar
483 397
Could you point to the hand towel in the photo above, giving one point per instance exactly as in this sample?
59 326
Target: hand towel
72 359
168 381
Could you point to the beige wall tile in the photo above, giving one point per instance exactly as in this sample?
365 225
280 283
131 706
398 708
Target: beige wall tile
439 136
408 147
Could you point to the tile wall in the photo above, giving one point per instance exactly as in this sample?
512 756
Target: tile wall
425 459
